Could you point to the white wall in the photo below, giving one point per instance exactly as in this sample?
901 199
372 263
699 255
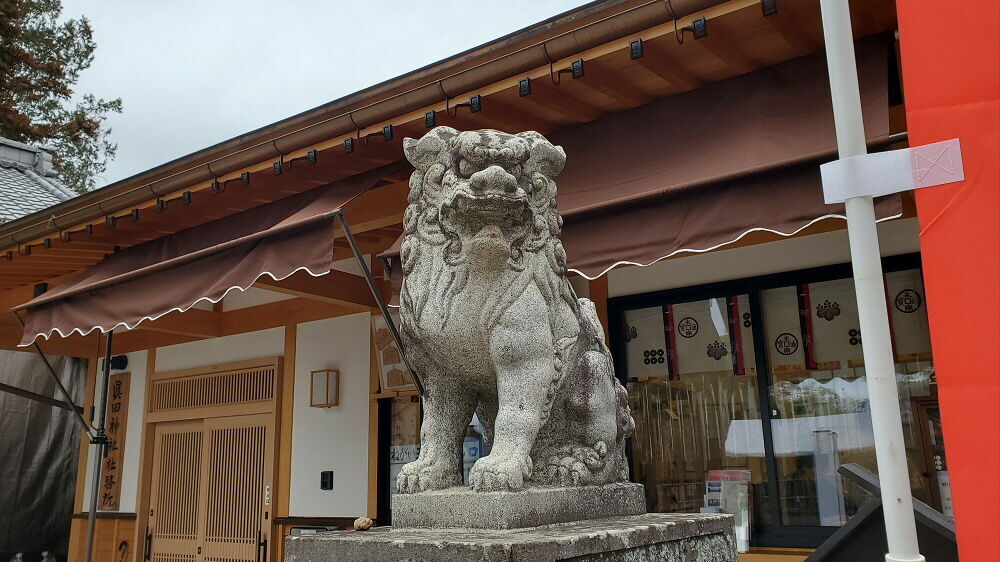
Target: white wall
350 265
212 351
895 237
331 438
133 432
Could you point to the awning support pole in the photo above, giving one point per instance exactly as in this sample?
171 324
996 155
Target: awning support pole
67 399
880 369
101 449
378 299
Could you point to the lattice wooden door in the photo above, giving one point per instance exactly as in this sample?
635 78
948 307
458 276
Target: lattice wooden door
210 491
175 492
236 488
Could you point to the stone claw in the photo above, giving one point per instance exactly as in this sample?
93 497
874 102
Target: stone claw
426 474
573 466
499 474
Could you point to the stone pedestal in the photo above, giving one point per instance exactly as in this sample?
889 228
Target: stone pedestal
543 505
636 538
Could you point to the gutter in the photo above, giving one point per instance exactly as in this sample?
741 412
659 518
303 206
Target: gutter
227 157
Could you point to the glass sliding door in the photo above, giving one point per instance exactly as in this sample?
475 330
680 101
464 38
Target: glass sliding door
819 400
692 384
818 393
764 380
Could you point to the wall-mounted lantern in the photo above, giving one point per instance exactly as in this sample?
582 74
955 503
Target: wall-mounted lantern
324 388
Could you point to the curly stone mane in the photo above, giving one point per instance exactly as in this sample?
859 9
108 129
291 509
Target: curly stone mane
445 157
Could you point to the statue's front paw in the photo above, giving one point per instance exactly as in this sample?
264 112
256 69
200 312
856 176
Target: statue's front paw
496 473
426 474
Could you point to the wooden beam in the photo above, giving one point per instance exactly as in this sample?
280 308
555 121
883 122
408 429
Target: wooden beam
561 101
14 297
138 340
503 112
792 32
83 241
663 65
272 315
614 89
38 397
599 295
602 75
193 322
719 42
377 208
336 287
73 346
415 117
41 260
63 252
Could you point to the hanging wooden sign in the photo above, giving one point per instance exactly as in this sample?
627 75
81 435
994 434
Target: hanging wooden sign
116 426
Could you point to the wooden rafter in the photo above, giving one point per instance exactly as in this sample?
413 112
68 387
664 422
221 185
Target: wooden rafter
660 63
740 40
792 32
719 43
336 287
560 100
613 86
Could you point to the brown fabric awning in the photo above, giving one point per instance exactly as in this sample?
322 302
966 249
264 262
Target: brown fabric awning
702 169
202 263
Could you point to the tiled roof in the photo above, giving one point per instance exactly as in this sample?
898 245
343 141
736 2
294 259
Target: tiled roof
28 181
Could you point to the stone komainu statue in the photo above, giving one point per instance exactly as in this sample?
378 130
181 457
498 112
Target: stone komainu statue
492 325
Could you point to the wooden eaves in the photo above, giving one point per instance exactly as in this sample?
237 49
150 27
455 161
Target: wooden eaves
740 40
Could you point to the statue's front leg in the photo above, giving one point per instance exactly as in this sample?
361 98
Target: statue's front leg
524 360
447 412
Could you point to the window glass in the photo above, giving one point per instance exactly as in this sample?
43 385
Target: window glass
819 394
694 387
693 393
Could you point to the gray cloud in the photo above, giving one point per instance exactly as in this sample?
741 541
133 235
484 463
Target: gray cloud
194 73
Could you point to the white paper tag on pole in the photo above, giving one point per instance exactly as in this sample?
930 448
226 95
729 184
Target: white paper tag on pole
884 173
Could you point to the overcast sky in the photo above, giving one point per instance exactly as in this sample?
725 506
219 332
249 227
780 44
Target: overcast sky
193 73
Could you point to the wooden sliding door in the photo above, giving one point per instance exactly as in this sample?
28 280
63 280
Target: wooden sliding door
175 492
210 483
237 488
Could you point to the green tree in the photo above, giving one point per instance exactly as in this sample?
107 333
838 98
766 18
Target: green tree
41 59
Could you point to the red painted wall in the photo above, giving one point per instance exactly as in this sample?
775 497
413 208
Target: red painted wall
951 81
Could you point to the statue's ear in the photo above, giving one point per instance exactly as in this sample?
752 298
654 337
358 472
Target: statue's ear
424 152
545 157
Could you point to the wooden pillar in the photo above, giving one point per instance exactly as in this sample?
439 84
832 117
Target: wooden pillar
145 475
599 294
77 531
286 404
373 388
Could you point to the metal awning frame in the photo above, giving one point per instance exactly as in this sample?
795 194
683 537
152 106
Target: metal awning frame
378 299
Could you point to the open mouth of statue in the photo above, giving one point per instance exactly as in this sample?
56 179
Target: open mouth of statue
468 215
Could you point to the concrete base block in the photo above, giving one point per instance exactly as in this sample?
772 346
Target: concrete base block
461 507
639 538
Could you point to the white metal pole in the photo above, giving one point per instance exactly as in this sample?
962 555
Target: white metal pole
887 425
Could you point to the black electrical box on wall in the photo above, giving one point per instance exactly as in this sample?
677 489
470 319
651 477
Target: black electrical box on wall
326 480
